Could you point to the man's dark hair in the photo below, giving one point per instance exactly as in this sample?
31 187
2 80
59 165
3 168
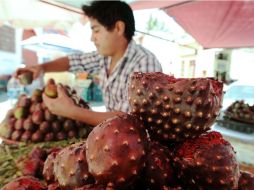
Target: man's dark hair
107 13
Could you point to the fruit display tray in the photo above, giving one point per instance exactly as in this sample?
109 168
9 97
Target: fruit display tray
228 116
229 123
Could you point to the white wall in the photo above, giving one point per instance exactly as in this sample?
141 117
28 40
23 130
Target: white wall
10 61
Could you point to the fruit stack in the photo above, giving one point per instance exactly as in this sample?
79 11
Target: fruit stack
240 111
31 121
164 143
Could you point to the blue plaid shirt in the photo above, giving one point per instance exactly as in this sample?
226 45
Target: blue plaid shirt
115 86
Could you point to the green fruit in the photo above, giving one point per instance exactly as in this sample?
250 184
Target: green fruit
26 78
51 90
20 112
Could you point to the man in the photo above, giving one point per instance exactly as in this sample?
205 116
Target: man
118 56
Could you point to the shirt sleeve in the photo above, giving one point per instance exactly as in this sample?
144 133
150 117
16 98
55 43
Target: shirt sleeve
89 62
148 63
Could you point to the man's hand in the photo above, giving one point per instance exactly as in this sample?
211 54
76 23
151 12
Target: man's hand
35 69
62 105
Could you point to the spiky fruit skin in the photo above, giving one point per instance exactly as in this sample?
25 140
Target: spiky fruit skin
25 183
95 187
158 171
207 162
70 167
26 78
174 109
246 181
54 186
48 169
116 150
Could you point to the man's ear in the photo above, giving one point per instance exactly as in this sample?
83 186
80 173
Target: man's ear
120 27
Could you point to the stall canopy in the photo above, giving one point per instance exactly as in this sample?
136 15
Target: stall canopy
214 24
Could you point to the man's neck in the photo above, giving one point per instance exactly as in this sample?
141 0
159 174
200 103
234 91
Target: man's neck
117 56
119 53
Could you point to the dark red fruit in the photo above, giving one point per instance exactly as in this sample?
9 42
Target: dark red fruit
246 181
16 135
68 125
70 167
174 109
56 126
38 117
49 136
61 136
29 125
158 172
25 183
116 150
207 162
37 136
44 127
26 136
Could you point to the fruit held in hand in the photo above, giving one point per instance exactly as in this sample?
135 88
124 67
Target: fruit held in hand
26 78
51 91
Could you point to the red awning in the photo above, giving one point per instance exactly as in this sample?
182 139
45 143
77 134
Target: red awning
214 24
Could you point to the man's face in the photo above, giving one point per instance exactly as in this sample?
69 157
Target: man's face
104 40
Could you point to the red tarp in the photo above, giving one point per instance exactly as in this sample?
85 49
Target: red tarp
214 24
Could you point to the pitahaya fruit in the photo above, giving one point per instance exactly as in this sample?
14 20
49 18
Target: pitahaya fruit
48 169
25 183
246 181
207 162
70 166
54 186
116 150
174 109
95 187
159 172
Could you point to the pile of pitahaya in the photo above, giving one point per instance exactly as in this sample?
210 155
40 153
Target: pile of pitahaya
164 144
31 121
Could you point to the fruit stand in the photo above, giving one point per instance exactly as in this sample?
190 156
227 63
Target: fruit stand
165 142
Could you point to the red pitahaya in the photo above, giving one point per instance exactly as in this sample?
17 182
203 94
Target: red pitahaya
25 183
174 109
116 150
96 187
54 186
33 163
70 166
48 169
33 167
159 172
207 162
246 181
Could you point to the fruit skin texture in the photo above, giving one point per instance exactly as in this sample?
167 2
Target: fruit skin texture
25 183
158 171
207 162
116 150
48 169
51 90
246 181
70 167
174 109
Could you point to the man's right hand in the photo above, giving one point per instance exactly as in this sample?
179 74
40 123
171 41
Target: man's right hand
35 69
